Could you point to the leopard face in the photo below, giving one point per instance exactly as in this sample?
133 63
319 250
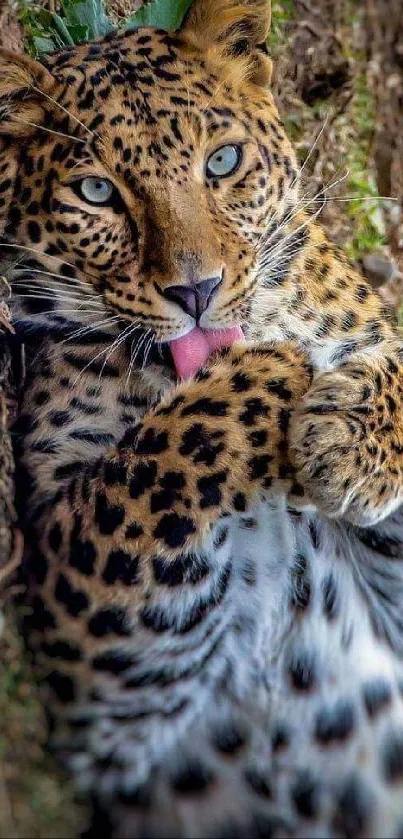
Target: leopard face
157 163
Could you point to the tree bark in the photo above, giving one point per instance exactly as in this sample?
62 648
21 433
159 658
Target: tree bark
10 542
385 54
8 404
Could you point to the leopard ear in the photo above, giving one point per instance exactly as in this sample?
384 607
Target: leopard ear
22 83
237 27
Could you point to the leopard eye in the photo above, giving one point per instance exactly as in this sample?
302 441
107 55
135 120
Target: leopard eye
224 162
96 190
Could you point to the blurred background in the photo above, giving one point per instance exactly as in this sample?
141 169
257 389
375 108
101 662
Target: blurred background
339 85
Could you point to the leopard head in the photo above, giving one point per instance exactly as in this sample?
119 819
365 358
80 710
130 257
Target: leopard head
147 168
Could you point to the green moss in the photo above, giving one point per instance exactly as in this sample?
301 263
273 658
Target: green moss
35 798
366 211
368 232
352 130
282 14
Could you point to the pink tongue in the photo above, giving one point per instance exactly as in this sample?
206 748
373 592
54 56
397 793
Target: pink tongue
192 351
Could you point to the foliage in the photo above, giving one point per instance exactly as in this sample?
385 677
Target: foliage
84 20
35 798
77 20
366 210
282 15
164 14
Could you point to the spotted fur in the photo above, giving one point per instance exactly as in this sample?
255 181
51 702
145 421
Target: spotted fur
214 569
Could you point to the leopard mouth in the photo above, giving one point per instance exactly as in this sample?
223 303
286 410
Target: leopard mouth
187 355
191 352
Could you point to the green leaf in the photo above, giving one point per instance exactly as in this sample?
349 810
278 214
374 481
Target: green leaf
164 14
78 32
62 30
43 45
78 20
42 17
88 13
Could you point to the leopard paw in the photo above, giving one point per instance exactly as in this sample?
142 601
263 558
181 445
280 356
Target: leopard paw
231 422
347 446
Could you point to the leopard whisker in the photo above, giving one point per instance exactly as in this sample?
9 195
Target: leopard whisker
130 364
90 328
51 294
87 366
303 203
310 153
301 169
349 198
24 278
132 359
187 88
70 300
121 338
49 130
147 351
81 163
287 247
139 345
39 253
71 280
270 266
57 312
273 256
214 96
302 206
67 112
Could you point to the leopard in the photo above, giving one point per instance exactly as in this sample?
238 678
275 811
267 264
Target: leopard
213 570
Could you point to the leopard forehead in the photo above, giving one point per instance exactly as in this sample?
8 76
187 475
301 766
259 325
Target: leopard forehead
148 93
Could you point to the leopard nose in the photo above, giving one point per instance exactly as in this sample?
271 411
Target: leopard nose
193 299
